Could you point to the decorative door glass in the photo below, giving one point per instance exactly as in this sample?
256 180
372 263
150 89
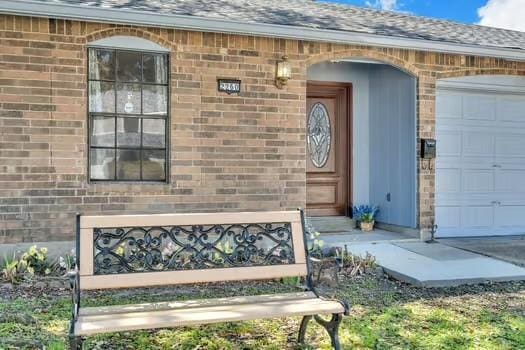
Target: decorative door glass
319 135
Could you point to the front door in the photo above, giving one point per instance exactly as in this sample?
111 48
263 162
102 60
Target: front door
328 122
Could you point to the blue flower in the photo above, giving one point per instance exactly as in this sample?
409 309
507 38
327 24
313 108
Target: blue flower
364 211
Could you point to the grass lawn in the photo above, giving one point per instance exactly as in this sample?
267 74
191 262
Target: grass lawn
385 315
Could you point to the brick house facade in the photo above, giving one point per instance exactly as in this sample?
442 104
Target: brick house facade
227 153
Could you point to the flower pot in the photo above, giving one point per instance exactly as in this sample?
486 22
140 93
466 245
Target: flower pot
367 226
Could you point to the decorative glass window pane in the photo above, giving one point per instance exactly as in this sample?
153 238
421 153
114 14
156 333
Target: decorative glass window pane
103 131
155 68
129 66
128 132
101 97
319 135
128 98
155 99
101 64
154 165
153 133
128 165
102 164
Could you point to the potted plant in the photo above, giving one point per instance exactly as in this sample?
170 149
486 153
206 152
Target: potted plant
365 216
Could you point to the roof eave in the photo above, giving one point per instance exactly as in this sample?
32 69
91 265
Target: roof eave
131 17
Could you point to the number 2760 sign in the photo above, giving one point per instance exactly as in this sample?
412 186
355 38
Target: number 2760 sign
230 86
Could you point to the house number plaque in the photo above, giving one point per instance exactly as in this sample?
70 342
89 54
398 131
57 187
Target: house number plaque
229 86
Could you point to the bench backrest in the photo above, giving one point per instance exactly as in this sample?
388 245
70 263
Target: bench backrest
122 251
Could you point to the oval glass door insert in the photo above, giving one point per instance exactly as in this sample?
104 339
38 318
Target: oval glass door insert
319 135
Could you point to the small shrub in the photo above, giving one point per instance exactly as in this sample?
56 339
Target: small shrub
65 263
356 265
37 260
34 261
14 270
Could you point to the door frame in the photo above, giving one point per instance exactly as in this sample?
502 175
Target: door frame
314 88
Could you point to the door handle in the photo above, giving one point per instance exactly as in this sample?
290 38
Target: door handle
495 203
388 197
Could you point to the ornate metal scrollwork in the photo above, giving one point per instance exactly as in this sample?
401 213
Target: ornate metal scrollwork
150 249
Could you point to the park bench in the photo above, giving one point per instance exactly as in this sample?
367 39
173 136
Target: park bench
129 251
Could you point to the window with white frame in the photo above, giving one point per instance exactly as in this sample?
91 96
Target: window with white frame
128 115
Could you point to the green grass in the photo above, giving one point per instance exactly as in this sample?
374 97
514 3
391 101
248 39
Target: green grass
385 315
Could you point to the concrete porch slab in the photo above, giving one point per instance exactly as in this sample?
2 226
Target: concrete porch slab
437 265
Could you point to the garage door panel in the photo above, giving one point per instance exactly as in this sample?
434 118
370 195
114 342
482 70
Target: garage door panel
462 199
450 143
450 181
479 107
451 105
510 216
477 217
477 144
478 180
511 109
510 146
448 217
510 181
484 148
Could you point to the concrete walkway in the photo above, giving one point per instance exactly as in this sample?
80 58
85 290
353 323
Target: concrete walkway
432 264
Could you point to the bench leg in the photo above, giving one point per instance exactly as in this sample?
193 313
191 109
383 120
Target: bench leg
302 329
332 327
75 343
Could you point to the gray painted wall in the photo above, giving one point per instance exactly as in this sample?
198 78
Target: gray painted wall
393 145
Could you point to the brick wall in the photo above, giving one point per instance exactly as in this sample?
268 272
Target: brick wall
227 152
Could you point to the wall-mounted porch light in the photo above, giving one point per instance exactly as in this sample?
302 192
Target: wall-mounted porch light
284 72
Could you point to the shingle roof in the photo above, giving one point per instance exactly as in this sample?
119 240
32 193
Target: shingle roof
322 15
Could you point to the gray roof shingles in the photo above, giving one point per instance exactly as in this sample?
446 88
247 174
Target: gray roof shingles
322 15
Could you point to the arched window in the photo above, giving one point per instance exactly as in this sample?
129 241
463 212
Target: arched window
128 110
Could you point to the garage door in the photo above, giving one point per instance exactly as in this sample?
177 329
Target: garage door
480 165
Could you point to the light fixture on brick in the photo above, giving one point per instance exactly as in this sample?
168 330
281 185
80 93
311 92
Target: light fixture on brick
284 72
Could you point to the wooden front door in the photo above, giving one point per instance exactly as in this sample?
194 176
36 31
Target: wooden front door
328 140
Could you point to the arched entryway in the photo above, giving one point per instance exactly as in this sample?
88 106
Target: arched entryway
361 139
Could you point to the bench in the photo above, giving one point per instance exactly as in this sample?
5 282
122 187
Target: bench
128 251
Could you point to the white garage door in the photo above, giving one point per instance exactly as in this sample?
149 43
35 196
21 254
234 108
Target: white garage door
480 166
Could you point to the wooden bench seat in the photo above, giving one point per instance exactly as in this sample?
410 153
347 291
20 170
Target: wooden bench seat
132 251
96 320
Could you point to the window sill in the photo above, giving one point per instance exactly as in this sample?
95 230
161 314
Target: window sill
127 183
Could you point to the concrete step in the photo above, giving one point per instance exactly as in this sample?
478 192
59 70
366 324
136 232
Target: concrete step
332 224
